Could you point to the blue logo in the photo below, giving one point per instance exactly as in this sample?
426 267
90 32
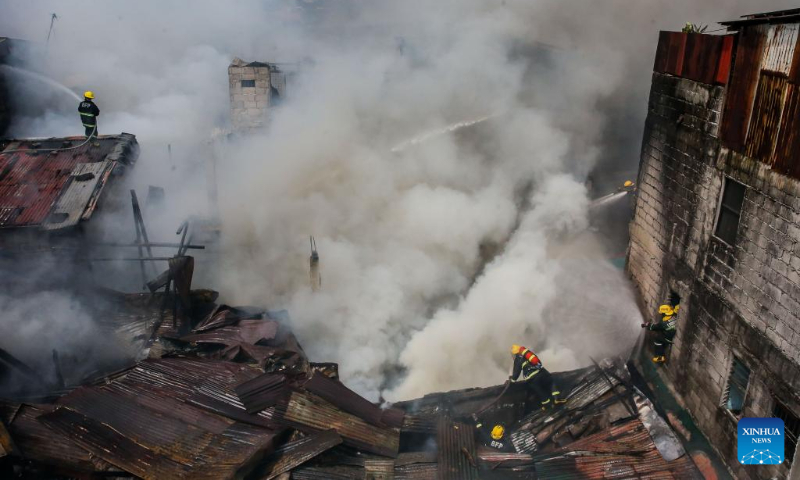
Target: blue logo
760 441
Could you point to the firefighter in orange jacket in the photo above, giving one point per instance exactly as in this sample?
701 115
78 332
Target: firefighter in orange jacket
530 370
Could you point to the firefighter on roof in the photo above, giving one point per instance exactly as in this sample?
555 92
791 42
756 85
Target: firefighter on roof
530 370
89 113
666 329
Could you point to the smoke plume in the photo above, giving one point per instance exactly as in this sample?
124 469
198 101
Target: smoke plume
436 151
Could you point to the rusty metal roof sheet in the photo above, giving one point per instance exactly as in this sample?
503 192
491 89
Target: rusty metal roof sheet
762 135
456 444
309 413
328 473
154 431
296 453
33 182
416 471
623 451
262 392
779 50
342 397
38 443
245 331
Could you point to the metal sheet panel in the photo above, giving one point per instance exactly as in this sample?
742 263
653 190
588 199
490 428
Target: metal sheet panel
342 397
456 444
262 392
701 57
85 180
725 59
786 159
294 454
670 53
779 49
765 121
310 413
32 180
742 87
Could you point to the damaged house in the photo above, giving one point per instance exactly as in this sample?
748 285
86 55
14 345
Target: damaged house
717 225
255 89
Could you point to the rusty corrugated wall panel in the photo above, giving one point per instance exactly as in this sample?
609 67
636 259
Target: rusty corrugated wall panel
794 71
779 49
742 87
456 444
670 52
701 57
765 120
662 52
725 58
786 159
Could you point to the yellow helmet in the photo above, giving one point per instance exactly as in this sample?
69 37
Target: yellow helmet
88 94
675 310
627 183
665 310
515 349
497 432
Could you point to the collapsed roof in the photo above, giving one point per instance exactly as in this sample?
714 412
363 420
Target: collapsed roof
228 392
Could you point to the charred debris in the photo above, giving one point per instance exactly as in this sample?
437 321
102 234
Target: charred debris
216 391
202 389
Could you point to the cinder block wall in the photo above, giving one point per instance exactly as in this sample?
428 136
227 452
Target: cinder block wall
740 300
249 105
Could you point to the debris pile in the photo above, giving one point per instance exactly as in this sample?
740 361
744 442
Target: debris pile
228 392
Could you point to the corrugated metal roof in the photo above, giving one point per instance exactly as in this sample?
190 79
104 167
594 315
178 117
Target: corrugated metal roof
416 471
38 443
456 444
379 469
779 16
328 473
31 182
143 422
294 454
623 451
779 50
342 397
262 392
246 331
308 412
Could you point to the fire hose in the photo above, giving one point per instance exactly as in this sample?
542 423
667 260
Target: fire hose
496 399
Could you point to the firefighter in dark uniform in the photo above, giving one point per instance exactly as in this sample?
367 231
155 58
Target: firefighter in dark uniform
666 330
89 113
493 436
530 370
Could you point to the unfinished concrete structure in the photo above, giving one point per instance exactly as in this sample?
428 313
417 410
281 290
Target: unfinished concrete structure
717 222
255 88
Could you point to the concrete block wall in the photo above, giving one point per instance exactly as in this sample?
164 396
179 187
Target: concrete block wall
249 105
739 300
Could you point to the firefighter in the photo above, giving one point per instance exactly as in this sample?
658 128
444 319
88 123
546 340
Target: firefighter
89 113
495 438
535 376
666 329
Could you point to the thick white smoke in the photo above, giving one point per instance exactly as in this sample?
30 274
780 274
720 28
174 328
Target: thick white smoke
407 303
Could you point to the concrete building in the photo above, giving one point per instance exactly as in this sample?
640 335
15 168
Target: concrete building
717 225
255 89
